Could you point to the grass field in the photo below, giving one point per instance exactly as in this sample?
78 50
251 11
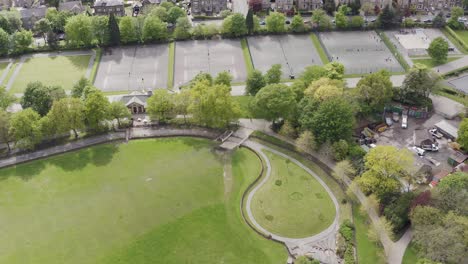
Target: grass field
61 70
367 250
319 48
431 63
247 58
170 66
410 256
292 203
244 103
463 34
95 68
3 66
148 201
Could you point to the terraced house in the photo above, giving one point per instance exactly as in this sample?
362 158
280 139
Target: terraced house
106 7
429 5
208 7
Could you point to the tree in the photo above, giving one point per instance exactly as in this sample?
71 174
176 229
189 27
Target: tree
367 8
161 105
113 30
223 77
357 22
40 97
159 12
325 89
79 30
462 133
175 13
127 30
6 99
182 103
4 42
275 22
340 149
255 81
374 91
118 111
331 121
275 101
384 165
321 19
273 75
70 113
335 70
52 40
386 18
42 27
225 13
451 193
397 211
78 87
419 83
213 105
96 109
354 7
57 19
312 73
21 40
341 20
305 143
439 20
25 129
438 50
101 29
4 128
154 29
297 24
456 13
249 21
167 5
234 25
344 169
182 29
329 6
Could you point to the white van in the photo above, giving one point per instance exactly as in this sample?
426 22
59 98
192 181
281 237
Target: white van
404 121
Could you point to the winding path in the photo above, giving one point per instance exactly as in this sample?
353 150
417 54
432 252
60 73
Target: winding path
320 246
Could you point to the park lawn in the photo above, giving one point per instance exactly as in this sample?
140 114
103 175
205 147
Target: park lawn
148 201
170 66
63 71
431 63
410 256
247 57
367 250
3 66
463 34
292 203
319 48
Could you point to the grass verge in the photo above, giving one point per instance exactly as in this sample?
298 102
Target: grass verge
10 73
170 66
97 61
319 48
247 57
450 93
367 250
431 63
456 40
410 256
394 50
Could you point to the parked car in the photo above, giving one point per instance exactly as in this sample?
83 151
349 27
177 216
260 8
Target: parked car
435 133
404 121
389 121
396 116
419 151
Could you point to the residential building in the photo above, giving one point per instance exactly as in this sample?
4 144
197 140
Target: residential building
29 16
284 5
106 7
208 7
306 5
134 101
379 3
151 2
75 7
425 6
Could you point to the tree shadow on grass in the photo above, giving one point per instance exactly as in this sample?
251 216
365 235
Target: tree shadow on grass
24 171
102 155
72 161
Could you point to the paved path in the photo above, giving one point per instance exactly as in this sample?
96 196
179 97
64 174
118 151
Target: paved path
453 65
5 72
320 246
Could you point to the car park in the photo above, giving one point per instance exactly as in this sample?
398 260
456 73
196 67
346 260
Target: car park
419 151
435 133
404 121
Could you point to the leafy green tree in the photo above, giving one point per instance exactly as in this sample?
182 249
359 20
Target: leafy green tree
438 50
96 110
223 77
397 211
386 18
255 82
340 149
297 24
161 105
305 143
6 99
451 193
384 166
321 19
367 8
202 77
249 21
67 114
213 105
79 31
40 97
325 89
175 13
127 30
341 20
234 25
52 40
182 103
118 111
154 29
275 101
275 22
4 25
331 121
225 13
374 91
329 6
273 75
312 73
101 29
462 132
456 13
42 27
25 129
419 83
21 40
113 31
14 21
159 12
167 5
357 22
78 87
57 19
182 29
5 136
4 42
439 20
256 24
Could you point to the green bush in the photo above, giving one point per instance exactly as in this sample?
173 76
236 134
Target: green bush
346 232
340 149
349 256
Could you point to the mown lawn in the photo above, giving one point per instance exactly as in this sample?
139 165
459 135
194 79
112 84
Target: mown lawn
463 34
367 250
63 71
148 201
292 203
431 63
410 256
3 66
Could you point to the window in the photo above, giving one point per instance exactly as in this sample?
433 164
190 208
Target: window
117 9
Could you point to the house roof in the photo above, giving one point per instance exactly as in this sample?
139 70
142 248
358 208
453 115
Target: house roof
139 100
458 157
72 6
440 175
108 2
462 167
156 2
33 12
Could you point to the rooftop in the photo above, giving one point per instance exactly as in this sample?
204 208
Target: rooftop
108 2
